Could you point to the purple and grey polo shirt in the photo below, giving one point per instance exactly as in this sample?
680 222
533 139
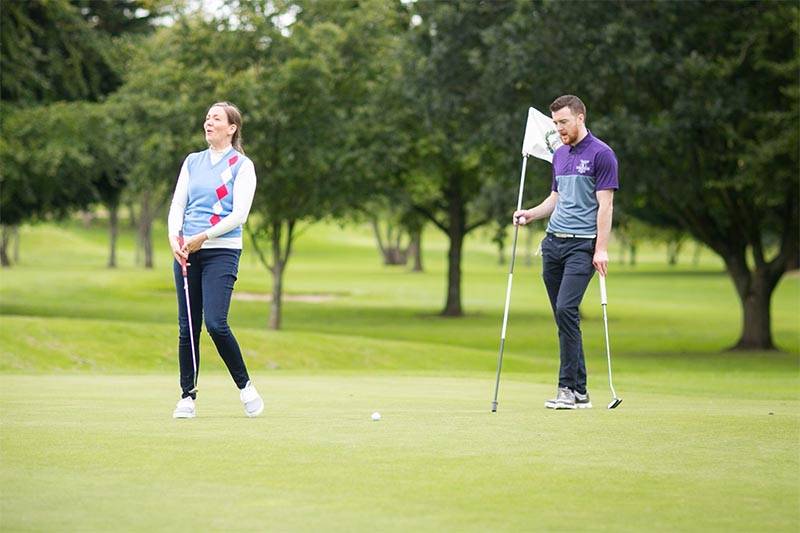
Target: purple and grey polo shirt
578 172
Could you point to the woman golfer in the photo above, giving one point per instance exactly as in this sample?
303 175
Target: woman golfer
212 199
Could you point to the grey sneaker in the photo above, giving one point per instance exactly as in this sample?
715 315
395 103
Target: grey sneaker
582 401
184 409
253 404
565 399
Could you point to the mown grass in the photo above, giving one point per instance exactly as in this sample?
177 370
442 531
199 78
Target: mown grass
705 440
103 455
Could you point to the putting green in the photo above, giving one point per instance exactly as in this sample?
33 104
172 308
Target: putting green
102 453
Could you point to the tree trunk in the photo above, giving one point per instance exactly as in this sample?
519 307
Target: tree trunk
4 260
146 239
132 213
113 223
453 305
149 210
15 237
756 320
277 279
755 292
377 231
392 251
501 252
455 231
415 249
673 250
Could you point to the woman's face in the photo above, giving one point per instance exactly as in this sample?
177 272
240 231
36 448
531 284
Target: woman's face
219 131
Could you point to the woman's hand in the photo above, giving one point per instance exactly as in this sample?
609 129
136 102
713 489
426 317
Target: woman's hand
193 243
177 252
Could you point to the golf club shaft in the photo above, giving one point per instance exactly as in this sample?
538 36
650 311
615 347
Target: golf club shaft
185 273
508 288
604 304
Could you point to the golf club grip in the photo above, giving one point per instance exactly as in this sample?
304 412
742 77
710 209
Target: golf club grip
603 297
182 260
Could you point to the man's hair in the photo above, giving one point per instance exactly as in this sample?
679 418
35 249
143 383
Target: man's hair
574 104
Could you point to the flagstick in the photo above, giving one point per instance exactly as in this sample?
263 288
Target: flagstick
508 289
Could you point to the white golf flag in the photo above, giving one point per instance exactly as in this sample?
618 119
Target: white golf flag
541 137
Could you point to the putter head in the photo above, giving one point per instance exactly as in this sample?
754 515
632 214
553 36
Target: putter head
494 407
614 403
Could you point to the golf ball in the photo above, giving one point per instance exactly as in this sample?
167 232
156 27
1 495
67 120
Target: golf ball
521 220
376 416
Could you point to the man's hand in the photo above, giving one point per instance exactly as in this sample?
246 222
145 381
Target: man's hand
600 262
522 217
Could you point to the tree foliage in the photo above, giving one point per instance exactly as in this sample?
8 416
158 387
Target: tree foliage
716 142
53 160
453 150
350 105
700 102
320 144
55 50
57 157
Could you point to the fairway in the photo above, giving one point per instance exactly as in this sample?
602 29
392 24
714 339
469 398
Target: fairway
705 440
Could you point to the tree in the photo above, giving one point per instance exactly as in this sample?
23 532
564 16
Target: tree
700 102
296 160
309 92
159 112
727 95
64 50
454 153
382 127
51 52
53 161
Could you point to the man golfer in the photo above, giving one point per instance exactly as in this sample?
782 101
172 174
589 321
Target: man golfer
580 208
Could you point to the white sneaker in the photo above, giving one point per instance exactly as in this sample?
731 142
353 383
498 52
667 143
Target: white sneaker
253 404
184 409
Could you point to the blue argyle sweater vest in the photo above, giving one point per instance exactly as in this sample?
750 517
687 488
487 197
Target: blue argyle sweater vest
211 191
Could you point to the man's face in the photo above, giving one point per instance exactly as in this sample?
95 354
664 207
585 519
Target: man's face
568 125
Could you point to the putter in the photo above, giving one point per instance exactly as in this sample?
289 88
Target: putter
189 313
508 289
604 302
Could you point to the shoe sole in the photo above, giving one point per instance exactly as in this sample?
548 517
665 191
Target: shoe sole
258 411
564 406
553 405
182 415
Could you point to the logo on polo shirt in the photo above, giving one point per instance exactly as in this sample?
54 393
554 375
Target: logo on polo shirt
583 168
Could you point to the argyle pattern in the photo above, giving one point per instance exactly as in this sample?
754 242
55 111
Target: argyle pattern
222 190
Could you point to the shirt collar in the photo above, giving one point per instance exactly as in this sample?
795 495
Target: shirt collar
581 146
